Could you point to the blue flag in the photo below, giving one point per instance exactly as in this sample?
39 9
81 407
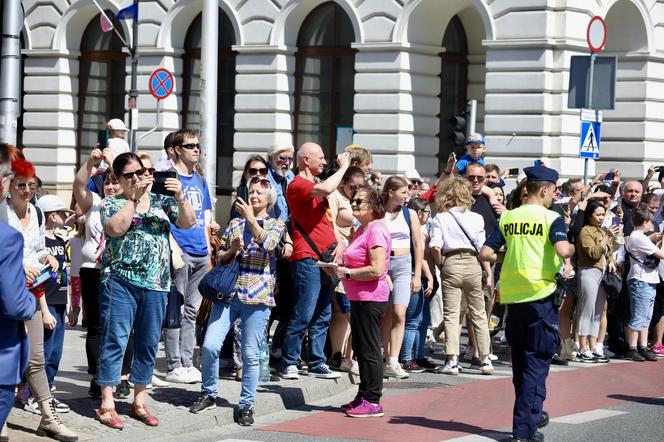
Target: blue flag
128 12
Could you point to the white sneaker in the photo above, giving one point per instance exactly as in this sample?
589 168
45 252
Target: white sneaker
394 371
194 373
32 406
349 365
492 357
449 368
180 375
156 382
290 372
487 367
567 351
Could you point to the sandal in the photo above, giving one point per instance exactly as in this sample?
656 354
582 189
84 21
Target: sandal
113 422
147 418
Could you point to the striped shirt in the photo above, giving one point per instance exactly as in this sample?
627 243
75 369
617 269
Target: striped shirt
255 283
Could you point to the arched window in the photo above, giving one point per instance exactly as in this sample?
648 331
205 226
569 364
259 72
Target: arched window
101 84
324 77
191 94
453 84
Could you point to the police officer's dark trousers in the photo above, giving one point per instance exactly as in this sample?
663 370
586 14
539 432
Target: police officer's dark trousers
532 332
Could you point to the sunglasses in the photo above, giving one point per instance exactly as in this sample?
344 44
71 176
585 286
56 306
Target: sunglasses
414 183
191 146
357 201
479 178
138 172
284 159
264 182
253 171
24 186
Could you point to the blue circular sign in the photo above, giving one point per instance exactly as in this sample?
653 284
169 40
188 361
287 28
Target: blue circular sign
161 83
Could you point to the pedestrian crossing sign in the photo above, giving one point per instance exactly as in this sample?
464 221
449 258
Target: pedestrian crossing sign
590 136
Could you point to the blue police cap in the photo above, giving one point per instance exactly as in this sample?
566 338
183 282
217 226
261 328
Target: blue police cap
541 173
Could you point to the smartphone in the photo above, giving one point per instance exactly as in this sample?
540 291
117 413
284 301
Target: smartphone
609 176
102 138
615 221
159 185
538 163
513 171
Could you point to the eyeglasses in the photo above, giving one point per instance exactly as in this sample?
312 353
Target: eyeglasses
357 201
264 182
253 171
284 159
137 172
191 146
479 178
427 211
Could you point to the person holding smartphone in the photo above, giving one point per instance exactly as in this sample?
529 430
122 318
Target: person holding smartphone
193 242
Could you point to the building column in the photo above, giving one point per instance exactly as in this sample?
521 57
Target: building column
264 101
397 105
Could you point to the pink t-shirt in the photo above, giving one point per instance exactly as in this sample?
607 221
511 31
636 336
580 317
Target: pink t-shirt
356 255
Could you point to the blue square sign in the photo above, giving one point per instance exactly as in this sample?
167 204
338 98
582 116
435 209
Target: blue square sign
589 143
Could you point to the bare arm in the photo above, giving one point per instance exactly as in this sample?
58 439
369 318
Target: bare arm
332 182
375 269
488 255
119 223
418 244
564 249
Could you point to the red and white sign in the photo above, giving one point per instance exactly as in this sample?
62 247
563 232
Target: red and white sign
596 34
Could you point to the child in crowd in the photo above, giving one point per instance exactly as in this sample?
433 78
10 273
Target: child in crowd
55 214
475 148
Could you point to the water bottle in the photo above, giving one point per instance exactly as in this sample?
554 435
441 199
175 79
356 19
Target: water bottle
264 361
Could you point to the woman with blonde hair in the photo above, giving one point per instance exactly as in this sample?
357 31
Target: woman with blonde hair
456 235
359 157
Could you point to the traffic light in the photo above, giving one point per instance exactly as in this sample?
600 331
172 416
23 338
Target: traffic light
457 132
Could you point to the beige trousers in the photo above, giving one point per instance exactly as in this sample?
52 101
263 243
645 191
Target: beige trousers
35 374
462 279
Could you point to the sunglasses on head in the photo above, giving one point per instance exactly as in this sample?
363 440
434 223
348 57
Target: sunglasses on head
137 172
191 146
264 182
254 171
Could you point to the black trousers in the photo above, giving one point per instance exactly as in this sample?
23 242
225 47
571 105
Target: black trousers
90 296
364 323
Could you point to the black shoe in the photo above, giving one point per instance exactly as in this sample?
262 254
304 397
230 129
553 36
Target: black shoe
647 354
586 357
475 362
335 362
537 437
95 390
426 364
203 403
544 420
122 391
244 415
634 356
602 359
557 360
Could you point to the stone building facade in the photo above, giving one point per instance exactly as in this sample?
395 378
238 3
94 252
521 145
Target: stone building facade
386 74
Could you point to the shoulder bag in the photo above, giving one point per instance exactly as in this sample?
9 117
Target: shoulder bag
327 255
484 275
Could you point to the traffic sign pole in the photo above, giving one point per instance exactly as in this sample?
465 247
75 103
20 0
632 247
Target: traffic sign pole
590 106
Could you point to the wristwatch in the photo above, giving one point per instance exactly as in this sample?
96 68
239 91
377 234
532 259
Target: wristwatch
347 274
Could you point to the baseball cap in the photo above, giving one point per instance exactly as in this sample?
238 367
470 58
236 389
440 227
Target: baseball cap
117 124
475 138
51 203
412 174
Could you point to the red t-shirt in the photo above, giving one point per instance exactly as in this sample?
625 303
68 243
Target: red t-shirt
312 214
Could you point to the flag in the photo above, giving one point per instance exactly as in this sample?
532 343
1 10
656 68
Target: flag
106 23
128 13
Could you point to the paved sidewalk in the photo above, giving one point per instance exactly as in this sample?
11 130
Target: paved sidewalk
170 404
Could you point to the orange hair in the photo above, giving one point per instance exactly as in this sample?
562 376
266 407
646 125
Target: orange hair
23 168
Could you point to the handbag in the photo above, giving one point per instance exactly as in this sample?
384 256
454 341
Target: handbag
173 317
218 285
612 284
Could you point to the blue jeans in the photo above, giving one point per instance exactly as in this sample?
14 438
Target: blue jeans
312 311
641 303
6 402
122 306
53 342
412 326
253 319
420 342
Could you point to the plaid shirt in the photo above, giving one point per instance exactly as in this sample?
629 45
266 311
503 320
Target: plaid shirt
255 283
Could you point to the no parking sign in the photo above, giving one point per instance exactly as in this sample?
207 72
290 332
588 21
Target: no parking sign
161 83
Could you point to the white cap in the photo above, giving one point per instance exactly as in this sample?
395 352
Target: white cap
277 148
51 203
412 174
117 124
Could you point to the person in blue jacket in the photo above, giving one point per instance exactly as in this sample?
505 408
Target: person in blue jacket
16 304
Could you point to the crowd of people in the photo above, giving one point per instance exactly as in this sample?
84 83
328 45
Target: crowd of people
361 274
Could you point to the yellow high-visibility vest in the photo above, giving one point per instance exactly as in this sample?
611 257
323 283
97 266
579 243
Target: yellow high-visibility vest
529 269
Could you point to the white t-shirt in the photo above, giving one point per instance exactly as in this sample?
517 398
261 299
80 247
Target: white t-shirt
75 256
92 246
117 146
640 247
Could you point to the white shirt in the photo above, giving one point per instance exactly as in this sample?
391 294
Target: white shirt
639 246
34 246
92 247
447 235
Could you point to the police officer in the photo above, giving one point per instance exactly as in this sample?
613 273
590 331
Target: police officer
536 241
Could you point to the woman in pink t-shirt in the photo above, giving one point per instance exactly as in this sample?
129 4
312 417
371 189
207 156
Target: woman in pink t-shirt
364 276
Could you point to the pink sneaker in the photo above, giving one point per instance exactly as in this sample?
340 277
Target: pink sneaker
658 350
366 409
352 404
